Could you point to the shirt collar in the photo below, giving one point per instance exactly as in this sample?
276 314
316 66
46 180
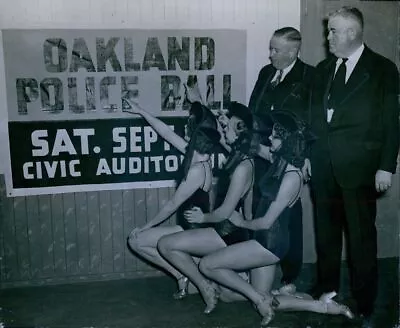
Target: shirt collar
288 69
354 57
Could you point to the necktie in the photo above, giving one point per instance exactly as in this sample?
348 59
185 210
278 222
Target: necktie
278 79
338 85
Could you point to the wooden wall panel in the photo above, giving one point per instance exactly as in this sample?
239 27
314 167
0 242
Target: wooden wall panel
82 228
46 235
94 232
35 242
128 213
59 247
105 232
70 233
11 269
21 238
117 231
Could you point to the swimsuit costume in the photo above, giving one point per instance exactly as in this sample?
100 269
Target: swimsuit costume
200 198
276 238
230 233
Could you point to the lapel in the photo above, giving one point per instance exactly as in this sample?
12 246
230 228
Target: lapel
328 72
293 79
357 78
269 76
262 89
295 74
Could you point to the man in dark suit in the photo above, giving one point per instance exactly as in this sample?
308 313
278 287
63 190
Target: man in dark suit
354 113
284 85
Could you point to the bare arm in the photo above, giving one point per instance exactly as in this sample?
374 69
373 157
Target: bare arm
194 180
248 204
287 191
159 126
239 184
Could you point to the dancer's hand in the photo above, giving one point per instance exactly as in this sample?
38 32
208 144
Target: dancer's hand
306 170
192 92
131 106
237 219
222 118
195 215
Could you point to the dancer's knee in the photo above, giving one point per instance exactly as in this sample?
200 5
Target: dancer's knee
134 243
165 244
206 266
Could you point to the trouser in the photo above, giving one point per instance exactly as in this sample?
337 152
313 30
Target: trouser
352 211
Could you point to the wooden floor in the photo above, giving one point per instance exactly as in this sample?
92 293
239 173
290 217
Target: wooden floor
147 303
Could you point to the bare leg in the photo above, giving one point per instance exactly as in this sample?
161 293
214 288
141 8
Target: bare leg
293 303
221 266
228 295
178 249
262 278
145 244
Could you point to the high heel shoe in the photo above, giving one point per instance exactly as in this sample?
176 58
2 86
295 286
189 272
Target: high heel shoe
183 291
210 297
265 308
332 307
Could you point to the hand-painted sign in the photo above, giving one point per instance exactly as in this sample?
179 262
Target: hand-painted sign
67 130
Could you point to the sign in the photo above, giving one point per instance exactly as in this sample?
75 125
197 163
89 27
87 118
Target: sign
67 131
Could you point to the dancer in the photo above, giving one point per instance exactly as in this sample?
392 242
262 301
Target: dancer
179 248
280 190
201 140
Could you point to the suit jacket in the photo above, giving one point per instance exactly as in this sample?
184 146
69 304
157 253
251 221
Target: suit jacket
363 135
291 94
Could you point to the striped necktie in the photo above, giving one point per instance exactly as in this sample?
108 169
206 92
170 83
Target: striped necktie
278 79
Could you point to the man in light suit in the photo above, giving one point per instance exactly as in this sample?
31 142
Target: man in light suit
354 113
284 84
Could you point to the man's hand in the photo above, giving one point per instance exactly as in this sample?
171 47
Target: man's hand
383 180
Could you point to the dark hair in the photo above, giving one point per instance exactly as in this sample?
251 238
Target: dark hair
242 112
244 128
203 133
289 34
246 145
196 115
293 148
203 144
295 137
349 12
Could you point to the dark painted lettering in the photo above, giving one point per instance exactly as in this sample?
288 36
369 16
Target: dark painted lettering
153 56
